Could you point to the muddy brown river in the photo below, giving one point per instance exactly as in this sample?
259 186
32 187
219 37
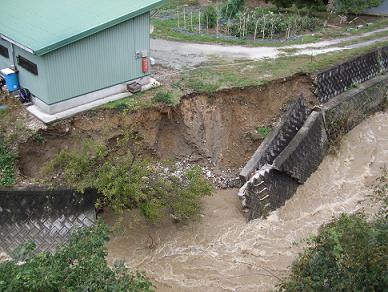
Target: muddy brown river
221 252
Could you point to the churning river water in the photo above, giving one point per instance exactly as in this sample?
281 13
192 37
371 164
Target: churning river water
221 252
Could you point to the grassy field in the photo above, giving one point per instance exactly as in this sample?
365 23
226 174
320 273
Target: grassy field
247 73
210 78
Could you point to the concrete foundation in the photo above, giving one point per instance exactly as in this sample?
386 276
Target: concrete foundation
51 113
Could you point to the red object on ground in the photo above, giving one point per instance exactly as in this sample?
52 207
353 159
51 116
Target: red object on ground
144 64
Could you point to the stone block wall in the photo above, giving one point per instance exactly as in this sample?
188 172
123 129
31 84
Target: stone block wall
384 58
336 80
278 139
305 152
43 216
349 109
265 191
276 181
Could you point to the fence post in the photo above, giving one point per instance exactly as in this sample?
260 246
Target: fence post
177 12
199 21
191 20
184 17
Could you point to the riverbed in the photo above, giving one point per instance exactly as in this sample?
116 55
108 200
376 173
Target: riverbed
222 252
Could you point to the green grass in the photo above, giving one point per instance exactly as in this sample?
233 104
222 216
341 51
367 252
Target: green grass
130 103
380 23
263 131
163 97
248 73
7 165
172 4
146 99
240 74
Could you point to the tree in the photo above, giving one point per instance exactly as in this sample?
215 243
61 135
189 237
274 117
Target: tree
316 4
348 254
127 181
355 6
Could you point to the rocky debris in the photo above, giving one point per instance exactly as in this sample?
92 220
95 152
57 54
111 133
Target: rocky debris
4 257
223 179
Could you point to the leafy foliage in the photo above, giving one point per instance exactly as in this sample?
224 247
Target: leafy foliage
77 266
349 254
264 24
310 4
126 181
210 16
355 6
232 7
7 165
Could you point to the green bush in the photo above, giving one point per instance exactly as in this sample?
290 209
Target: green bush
232 7
349 254
126 181
210 16
77 266
163 97
7 165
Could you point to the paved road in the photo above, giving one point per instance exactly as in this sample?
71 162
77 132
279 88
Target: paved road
183 55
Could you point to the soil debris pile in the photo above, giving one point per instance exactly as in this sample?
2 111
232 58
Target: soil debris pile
218 131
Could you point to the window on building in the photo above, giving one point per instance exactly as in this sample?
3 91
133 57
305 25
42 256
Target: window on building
28 65
4 51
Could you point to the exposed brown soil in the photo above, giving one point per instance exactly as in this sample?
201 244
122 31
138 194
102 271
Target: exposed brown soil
219 130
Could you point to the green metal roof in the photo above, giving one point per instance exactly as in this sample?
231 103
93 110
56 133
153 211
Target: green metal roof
42 26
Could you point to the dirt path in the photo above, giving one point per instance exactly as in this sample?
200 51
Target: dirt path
179 55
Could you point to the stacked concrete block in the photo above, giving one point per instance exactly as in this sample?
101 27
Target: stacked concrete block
292 153
384 58
336 80
42 216
349 109
277 140
267 190
305 152
272 185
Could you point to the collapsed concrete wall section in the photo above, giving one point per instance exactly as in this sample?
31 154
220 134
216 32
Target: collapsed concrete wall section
272 184
278 139
43 216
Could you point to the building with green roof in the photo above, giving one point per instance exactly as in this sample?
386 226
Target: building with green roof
71 52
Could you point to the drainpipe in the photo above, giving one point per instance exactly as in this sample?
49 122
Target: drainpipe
13 55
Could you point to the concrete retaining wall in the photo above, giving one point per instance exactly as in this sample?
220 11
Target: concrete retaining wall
350 108
272 184
306 150
334 81
43 216
278 139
